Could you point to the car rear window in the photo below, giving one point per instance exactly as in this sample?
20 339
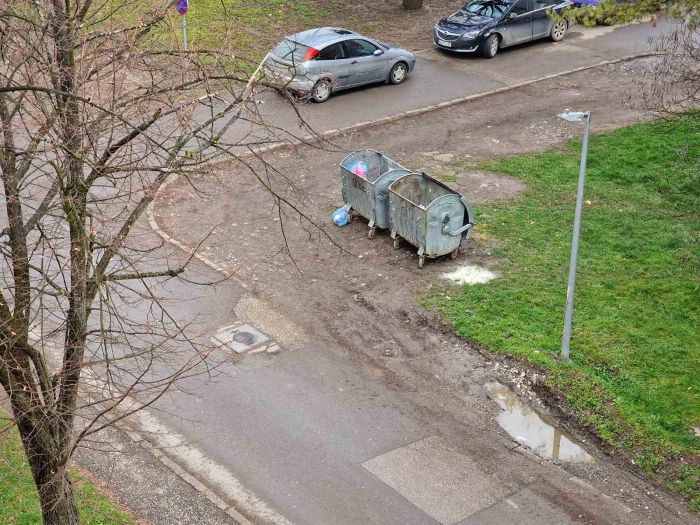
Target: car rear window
291 51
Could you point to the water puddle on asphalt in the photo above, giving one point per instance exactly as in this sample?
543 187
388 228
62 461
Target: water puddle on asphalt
530 429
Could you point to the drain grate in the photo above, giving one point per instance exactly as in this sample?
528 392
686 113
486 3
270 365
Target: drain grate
240 338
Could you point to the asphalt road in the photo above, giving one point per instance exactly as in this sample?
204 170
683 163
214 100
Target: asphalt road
441 76
322 435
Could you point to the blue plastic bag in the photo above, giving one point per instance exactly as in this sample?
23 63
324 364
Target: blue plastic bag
341 216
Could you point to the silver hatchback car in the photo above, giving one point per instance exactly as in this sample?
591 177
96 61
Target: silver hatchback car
319 61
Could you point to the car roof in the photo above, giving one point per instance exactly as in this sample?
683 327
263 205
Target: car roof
322 36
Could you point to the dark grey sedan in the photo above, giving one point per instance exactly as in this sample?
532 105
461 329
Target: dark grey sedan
485 26
319 61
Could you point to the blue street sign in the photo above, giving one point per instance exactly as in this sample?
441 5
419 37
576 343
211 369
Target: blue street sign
181 6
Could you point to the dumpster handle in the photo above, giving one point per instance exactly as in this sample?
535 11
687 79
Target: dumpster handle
447 230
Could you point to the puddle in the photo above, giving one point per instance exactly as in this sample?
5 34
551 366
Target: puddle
470 274
530 429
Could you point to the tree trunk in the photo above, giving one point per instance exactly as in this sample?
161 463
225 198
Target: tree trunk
58 500
412 4
56 492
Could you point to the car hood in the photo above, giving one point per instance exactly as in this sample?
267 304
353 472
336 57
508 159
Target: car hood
399 52
461 22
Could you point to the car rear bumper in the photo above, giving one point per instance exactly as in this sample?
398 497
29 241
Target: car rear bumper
296 83
301 84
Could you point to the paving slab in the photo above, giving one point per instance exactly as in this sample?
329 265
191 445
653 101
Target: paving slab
438 479
523 508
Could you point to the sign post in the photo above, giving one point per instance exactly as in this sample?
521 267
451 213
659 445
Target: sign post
182 7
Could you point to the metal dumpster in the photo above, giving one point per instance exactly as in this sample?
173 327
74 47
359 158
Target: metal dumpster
366 176
429 215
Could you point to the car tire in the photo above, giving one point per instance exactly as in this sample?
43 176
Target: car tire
321 91
489 47
558 31
398 73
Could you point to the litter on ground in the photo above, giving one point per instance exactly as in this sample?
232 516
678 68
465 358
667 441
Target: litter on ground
470 274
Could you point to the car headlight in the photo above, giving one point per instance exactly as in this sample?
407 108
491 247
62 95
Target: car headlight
471 34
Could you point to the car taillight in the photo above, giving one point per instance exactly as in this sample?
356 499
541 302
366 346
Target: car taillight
310 54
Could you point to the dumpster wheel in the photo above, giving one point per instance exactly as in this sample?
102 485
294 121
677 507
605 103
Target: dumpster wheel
421 261
454 253
397 243
372 232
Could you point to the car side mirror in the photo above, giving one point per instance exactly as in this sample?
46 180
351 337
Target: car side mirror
378 52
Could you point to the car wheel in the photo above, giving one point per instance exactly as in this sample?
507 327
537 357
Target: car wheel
558 31
321 91
490 46
398 73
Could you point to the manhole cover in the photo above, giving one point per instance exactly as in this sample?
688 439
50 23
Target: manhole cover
240 338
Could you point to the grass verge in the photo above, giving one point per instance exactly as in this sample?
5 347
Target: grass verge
19 503
635 372
249 27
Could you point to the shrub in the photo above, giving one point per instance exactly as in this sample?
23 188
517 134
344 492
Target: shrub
611 12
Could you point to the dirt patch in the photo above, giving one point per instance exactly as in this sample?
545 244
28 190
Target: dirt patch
251 28
336 279
388 21
285 331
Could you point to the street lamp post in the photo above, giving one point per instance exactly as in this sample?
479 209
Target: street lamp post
585 117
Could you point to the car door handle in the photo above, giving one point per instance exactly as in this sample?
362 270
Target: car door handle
354 62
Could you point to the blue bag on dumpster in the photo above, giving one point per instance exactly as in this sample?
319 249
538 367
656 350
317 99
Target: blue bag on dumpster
341 216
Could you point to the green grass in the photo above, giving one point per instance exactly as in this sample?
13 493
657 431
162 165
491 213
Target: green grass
251 27
19 503
635 371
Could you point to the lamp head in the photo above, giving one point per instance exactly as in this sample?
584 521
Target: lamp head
575 116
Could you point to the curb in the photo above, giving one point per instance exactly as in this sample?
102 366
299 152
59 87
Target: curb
146 438
150 215
461 100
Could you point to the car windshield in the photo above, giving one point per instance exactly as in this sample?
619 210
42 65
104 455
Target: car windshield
487 8
289 50
383 44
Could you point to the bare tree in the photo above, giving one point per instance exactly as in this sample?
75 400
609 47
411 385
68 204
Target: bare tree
670 90
673 84
94 119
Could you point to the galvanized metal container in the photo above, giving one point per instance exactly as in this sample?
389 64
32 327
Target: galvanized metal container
366 176
429 215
